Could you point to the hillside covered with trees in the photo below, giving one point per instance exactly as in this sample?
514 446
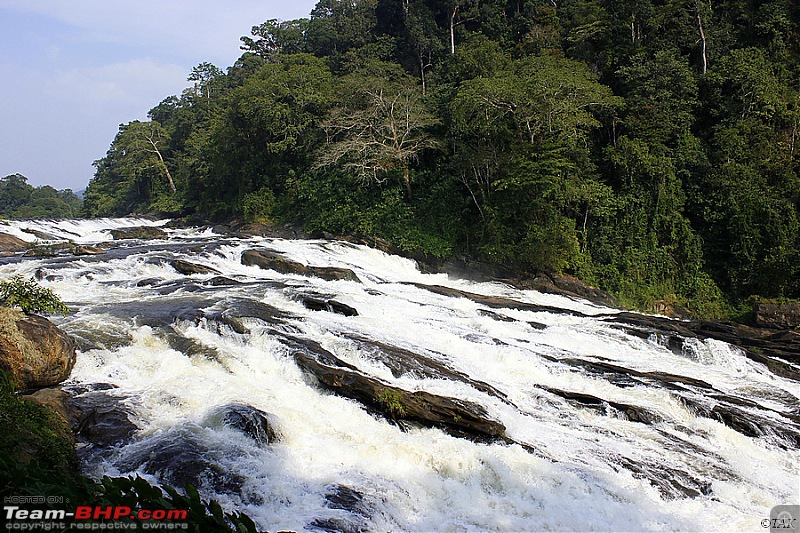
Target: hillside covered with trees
19 199
649 147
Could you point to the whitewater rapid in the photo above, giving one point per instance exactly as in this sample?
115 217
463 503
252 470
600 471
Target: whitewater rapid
148 331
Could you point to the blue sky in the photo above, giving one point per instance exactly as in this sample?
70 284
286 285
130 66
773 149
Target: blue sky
72 71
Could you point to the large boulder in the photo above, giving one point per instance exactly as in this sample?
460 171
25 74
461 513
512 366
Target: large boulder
269 260
33 350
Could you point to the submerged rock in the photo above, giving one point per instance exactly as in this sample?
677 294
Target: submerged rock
33 350
269 260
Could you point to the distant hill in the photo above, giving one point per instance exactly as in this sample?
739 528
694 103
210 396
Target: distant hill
18 199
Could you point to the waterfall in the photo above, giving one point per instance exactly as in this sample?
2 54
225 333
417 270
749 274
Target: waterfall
605 426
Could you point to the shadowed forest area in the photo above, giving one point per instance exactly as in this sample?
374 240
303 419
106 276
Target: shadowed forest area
647 147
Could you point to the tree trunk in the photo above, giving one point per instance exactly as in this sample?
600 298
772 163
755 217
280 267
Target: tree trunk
702 38
156 151
407 181
453 30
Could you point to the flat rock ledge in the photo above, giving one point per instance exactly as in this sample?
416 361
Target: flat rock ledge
269 260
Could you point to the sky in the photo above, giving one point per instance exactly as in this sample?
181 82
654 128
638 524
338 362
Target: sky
72 71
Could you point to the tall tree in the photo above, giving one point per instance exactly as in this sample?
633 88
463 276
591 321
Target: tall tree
381 125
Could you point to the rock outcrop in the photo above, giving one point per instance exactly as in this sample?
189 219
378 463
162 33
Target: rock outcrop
139 232
33 350
457 416
269 260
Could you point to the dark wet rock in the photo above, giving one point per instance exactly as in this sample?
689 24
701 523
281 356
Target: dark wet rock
495 316
139 232
344 498
76 389
282 231
339 525
253 422
193 348
747 417
85 249
563 285
269 260
148 282
221 281
183 285
537 325
777 350
332 306
460 416
101 418
187 268
237 309
9 243
778 315
670 482
179 458
495 302
403 362
41 234
33 351
630 412
606 368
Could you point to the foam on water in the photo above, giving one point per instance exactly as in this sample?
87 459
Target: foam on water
575 474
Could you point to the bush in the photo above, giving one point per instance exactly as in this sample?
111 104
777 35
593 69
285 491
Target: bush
31 297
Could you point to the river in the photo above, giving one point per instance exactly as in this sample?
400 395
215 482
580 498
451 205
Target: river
603 428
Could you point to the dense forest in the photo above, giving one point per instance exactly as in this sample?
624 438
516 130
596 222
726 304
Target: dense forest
19 199
646 146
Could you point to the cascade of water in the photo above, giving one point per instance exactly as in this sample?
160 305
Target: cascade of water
604 430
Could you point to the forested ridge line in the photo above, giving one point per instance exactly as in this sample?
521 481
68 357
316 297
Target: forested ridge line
648 147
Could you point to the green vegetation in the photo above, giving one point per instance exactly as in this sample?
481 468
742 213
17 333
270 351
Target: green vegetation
38 459
20 200
31 297
392 402
649 148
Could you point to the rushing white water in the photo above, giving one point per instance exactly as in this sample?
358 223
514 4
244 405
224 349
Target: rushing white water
565 466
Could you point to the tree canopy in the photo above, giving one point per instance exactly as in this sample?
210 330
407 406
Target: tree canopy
647 147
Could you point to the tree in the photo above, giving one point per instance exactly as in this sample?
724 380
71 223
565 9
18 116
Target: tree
132 173
380 126
204 75
275 37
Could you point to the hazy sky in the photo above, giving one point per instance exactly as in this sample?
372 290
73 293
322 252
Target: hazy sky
71 71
